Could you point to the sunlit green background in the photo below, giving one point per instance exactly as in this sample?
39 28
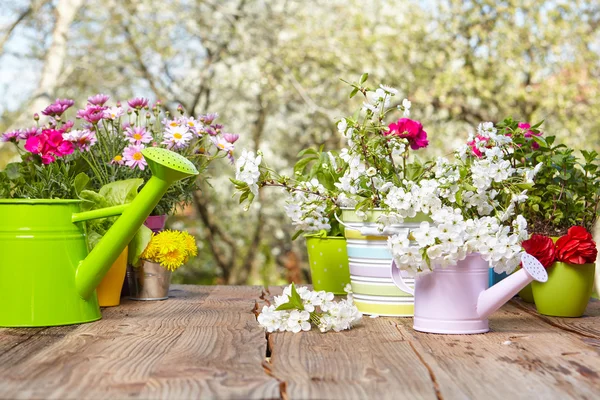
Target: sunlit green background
271 69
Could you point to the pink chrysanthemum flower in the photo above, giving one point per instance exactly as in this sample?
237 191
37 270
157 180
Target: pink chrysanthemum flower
231 137
137 135
58 107
208 119
133 157
12 136
138 103
222 144
92 114
113 113
99 99
177 137
118 160
27 133
82 139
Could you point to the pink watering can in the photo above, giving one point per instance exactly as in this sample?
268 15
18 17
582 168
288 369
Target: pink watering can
457 300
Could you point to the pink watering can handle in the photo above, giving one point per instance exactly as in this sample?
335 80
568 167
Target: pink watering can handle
397 278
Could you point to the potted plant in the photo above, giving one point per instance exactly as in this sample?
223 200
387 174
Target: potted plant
101 163
41 207
561 211
122 136
311 205
166 251
374 191
473 201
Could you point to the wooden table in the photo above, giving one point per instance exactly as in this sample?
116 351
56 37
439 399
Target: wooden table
204 342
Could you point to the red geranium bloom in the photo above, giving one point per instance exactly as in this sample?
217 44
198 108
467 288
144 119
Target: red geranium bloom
576 247
410 130
541 247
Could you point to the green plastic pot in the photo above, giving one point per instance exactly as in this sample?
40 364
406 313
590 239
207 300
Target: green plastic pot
567 292
526 294
328 262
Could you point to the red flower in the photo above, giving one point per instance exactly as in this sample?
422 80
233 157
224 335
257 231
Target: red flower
410 130
542 248
576 247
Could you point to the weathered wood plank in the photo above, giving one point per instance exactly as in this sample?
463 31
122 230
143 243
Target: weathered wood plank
588 325
183 347
521 358
373 360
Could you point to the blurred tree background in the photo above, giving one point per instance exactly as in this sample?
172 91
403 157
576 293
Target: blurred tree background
271 69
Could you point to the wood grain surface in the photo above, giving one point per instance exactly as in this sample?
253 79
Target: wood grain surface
204 342
201 343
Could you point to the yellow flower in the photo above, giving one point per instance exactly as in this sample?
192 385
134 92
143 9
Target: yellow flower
190 244
172 260
171 249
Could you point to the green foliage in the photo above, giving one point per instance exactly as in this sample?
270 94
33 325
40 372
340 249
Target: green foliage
566 191
295 301
33 180
109 195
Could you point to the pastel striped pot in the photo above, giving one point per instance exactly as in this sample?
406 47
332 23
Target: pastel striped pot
374 292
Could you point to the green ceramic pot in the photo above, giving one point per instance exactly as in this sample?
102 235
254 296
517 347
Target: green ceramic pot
567 292
328 263
526 294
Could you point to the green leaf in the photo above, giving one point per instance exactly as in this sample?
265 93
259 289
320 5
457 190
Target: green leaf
239 184
310 150
12 171
364 77
80 182
540 140
121 192
138 244
93 238
296 299
92 200
297 234
353 92
286 306
524 186
300 165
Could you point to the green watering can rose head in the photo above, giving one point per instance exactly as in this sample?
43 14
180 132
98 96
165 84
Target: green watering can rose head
168 165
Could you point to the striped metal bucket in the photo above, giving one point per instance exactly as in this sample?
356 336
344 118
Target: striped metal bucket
373 290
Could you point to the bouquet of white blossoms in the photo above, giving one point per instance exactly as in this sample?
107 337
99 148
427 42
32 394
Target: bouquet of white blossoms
472 203
297 310
312 195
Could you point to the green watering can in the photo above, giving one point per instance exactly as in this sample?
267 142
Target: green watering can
47 277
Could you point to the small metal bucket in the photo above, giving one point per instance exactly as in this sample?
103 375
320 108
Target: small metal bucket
149 281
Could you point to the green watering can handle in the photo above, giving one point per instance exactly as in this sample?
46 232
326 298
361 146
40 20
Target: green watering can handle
100 213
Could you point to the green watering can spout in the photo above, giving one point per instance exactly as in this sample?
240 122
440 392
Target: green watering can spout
167 167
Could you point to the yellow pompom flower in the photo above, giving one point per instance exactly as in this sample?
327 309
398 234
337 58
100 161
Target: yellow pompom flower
171 249
190 244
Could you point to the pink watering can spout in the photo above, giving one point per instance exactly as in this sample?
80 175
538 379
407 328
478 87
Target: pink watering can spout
493 298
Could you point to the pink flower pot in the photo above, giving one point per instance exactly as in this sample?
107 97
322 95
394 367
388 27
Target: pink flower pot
156 222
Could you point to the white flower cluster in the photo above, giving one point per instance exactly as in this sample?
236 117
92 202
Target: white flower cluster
463 204
307 208
317 307
450 238
358 176
247 169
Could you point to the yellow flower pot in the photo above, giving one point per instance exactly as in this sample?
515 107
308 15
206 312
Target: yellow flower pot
109 290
